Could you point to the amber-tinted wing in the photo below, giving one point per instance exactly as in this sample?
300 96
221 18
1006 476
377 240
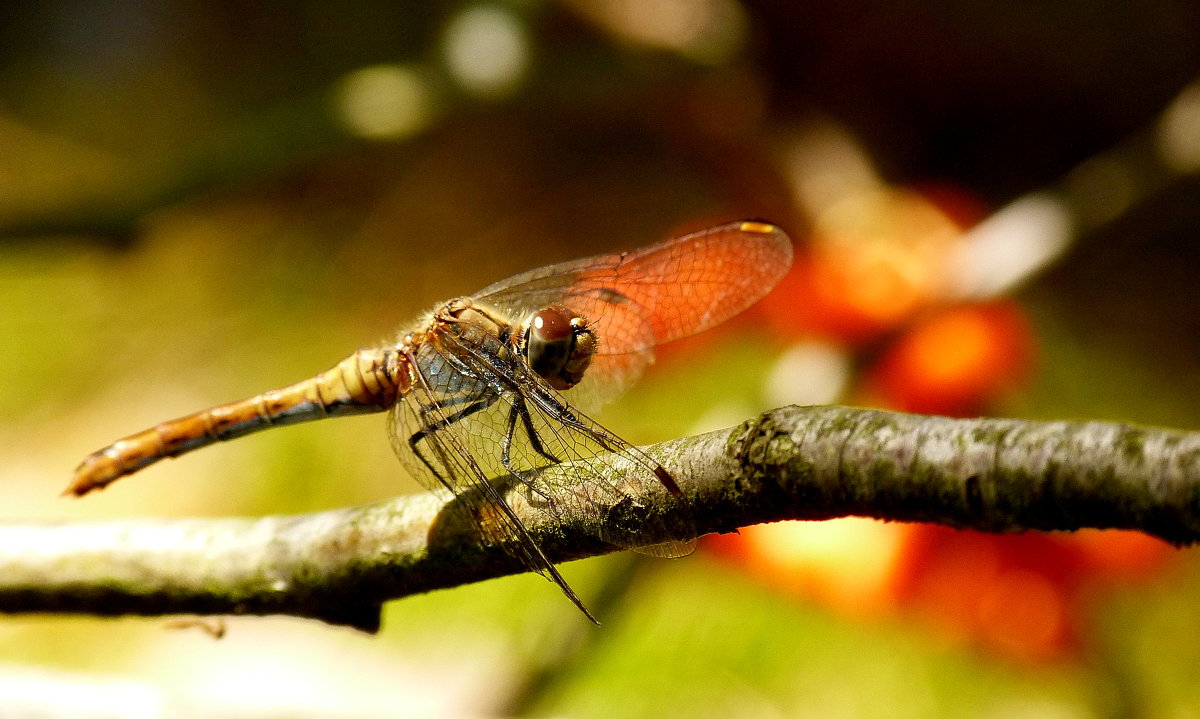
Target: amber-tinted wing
636 300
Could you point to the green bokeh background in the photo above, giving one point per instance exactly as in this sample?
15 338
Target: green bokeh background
184 220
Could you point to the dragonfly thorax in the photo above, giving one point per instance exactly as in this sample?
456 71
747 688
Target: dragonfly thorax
558 346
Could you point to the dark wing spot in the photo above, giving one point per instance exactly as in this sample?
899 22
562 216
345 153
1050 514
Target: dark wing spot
611 296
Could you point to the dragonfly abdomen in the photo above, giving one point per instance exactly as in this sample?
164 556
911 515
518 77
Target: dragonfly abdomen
367 381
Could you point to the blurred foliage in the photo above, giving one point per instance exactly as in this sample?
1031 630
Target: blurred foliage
187 217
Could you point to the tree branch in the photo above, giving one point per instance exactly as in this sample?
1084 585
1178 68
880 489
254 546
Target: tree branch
995 475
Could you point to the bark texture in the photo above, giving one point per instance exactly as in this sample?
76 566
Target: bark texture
995 475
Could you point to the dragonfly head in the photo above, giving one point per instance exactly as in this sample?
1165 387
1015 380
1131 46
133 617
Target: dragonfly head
558 345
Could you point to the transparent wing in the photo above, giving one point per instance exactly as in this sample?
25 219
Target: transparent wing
636 300
490 422
425 436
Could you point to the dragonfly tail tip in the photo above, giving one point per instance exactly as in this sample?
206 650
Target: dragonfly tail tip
77 488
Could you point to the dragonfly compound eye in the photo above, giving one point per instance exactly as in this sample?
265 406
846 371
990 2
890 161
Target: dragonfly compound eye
559 346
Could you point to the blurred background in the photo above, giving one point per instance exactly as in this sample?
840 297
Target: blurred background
995 208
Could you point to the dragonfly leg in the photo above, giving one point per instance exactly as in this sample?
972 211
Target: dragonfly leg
560 410
605 439
479 404
519 409
534 439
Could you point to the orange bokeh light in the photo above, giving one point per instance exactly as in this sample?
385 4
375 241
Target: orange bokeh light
847 563
1024 615
1024 595
1020 596
954 362
873 278
873 261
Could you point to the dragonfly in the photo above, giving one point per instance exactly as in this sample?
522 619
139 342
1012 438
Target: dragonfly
495 387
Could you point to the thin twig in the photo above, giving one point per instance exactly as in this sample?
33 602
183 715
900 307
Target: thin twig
996 475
